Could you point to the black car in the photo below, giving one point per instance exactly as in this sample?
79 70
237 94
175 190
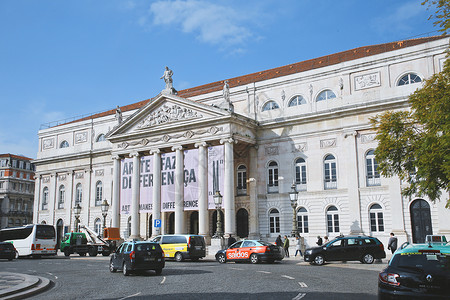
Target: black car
363 248
417 271
8 251
134 256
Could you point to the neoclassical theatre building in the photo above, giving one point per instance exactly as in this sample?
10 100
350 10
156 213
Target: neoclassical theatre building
252 138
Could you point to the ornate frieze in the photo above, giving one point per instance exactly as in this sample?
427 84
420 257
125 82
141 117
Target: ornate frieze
299 147
99 172
168 114
79 175
368 137
328 143
62 177
81 137
45 179
48 143
271 150
367 81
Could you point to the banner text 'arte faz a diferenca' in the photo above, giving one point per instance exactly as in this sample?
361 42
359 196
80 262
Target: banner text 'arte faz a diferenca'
168 163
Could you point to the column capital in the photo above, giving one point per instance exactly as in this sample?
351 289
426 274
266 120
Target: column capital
228 140
155 151
115 156
201 144
179 147
353 133
134 154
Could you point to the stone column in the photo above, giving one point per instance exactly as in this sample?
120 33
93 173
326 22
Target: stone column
179 190
203 224
252 186
228 193
115 201
397 209
37 198
135 185
52 204
352 174
70 198
156 190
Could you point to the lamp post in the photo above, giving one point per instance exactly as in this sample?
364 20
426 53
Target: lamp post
77 211
105 207
218 202
293 195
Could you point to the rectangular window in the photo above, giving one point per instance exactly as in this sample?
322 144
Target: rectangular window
274 224
1 185
380 222
14 163
336 223
330 223
373 222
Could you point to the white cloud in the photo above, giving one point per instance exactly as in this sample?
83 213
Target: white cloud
401 19
211 23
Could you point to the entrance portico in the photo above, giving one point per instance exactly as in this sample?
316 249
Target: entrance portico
170 133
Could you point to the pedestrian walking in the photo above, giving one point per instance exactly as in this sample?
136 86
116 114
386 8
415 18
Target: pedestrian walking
278 241
298 246
286 245
392 243
319 241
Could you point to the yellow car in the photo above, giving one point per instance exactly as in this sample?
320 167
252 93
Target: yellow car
182 246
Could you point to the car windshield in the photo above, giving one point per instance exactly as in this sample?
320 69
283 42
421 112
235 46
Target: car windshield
426 262
265 243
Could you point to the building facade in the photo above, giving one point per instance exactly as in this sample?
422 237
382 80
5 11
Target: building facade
252 138
16 190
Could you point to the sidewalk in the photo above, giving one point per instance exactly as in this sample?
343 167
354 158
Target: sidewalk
19 286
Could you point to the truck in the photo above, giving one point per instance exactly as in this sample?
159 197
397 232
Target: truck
85 242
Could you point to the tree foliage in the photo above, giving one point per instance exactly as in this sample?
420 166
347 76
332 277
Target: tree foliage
415 144
441 14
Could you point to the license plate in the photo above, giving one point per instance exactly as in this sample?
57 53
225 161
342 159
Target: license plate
149 259
198 247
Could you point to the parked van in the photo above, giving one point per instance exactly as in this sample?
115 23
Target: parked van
182 246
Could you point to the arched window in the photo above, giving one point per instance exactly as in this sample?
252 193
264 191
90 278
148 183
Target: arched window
98 226
325 95
45 199
242 180
296 101
98 193
332 220
330 176
64 144
373 177
376 218
272 177
101 138
79 194
270 105
61 196
409 78
302 220
274 221
10 222
300 174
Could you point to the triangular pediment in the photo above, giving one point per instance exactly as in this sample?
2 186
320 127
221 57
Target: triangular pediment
168 111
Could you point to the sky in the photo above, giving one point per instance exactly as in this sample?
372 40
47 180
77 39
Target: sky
62 59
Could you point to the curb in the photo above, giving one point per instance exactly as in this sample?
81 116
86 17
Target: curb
31 285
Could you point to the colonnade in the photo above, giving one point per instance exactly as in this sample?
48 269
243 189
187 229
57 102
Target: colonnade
180 224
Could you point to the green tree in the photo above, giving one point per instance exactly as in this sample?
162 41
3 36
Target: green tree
441 14
415 144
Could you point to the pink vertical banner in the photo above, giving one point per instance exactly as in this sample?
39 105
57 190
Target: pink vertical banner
216 173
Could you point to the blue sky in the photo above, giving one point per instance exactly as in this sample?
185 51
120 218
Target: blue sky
60 59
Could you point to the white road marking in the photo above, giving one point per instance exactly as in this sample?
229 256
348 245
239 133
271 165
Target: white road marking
130 296
164 280
299 296
288 277
302 284
237 269
265 272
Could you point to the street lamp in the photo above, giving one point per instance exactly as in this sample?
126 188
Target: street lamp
218 202
105 207
77 211
293 195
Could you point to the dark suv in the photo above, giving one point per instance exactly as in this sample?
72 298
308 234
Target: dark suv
363 248
134 256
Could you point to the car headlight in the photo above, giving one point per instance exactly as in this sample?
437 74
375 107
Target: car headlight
308 251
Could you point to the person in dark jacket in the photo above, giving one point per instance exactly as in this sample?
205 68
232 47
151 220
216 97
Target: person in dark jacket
319 241
231 240
286 245
278 241
392 243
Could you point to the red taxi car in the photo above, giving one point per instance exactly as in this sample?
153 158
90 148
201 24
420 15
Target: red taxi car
250 250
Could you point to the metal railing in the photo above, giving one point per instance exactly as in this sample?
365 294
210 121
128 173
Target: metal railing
272 189
373 181
330 185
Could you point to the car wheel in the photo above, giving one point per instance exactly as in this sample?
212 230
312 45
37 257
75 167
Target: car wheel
66 252
111 267
368 258
318 260
254 258
82 253
221 258
106 253
125 270
158 271
92 251
17 255
178 256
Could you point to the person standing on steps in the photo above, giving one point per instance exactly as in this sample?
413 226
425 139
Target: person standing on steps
286 245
